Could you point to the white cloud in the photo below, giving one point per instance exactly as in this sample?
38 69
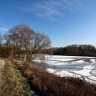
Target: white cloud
4 29
54 8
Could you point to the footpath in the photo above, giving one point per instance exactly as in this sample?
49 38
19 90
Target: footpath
1 71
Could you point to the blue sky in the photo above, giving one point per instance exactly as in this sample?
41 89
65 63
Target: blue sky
64 21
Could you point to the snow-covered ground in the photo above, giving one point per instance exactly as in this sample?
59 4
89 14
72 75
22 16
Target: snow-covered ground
74 66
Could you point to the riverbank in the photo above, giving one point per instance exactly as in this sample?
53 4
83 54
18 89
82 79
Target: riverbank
47 84
1 71
14 84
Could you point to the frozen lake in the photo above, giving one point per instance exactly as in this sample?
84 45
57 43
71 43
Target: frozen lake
74 66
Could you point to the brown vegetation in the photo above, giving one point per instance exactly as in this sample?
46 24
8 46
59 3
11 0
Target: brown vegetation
24 42
1 71
51 85
13 83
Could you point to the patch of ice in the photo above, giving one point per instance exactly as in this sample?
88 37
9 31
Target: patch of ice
93 78
93 60
80 61
94 72
84 72
89 67
60 59
64 73
57 65
50 70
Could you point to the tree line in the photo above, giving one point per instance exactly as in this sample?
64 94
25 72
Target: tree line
73 50
22 42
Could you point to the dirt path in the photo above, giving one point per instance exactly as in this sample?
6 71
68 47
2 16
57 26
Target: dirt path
1 70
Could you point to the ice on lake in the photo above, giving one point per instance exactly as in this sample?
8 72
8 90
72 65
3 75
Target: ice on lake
74 66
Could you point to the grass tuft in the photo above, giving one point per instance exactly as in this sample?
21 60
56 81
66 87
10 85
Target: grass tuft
14 83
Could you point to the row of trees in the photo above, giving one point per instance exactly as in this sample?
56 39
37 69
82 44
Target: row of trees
75 50
23 42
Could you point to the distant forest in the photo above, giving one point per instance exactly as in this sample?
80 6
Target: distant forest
73 50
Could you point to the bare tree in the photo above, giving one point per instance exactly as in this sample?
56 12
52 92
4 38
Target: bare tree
26 41
37 44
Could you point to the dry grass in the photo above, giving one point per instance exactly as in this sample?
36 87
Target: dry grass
1 71
51 85
14 84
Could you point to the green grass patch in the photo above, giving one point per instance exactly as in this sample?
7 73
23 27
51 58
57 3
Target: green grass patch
14 83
